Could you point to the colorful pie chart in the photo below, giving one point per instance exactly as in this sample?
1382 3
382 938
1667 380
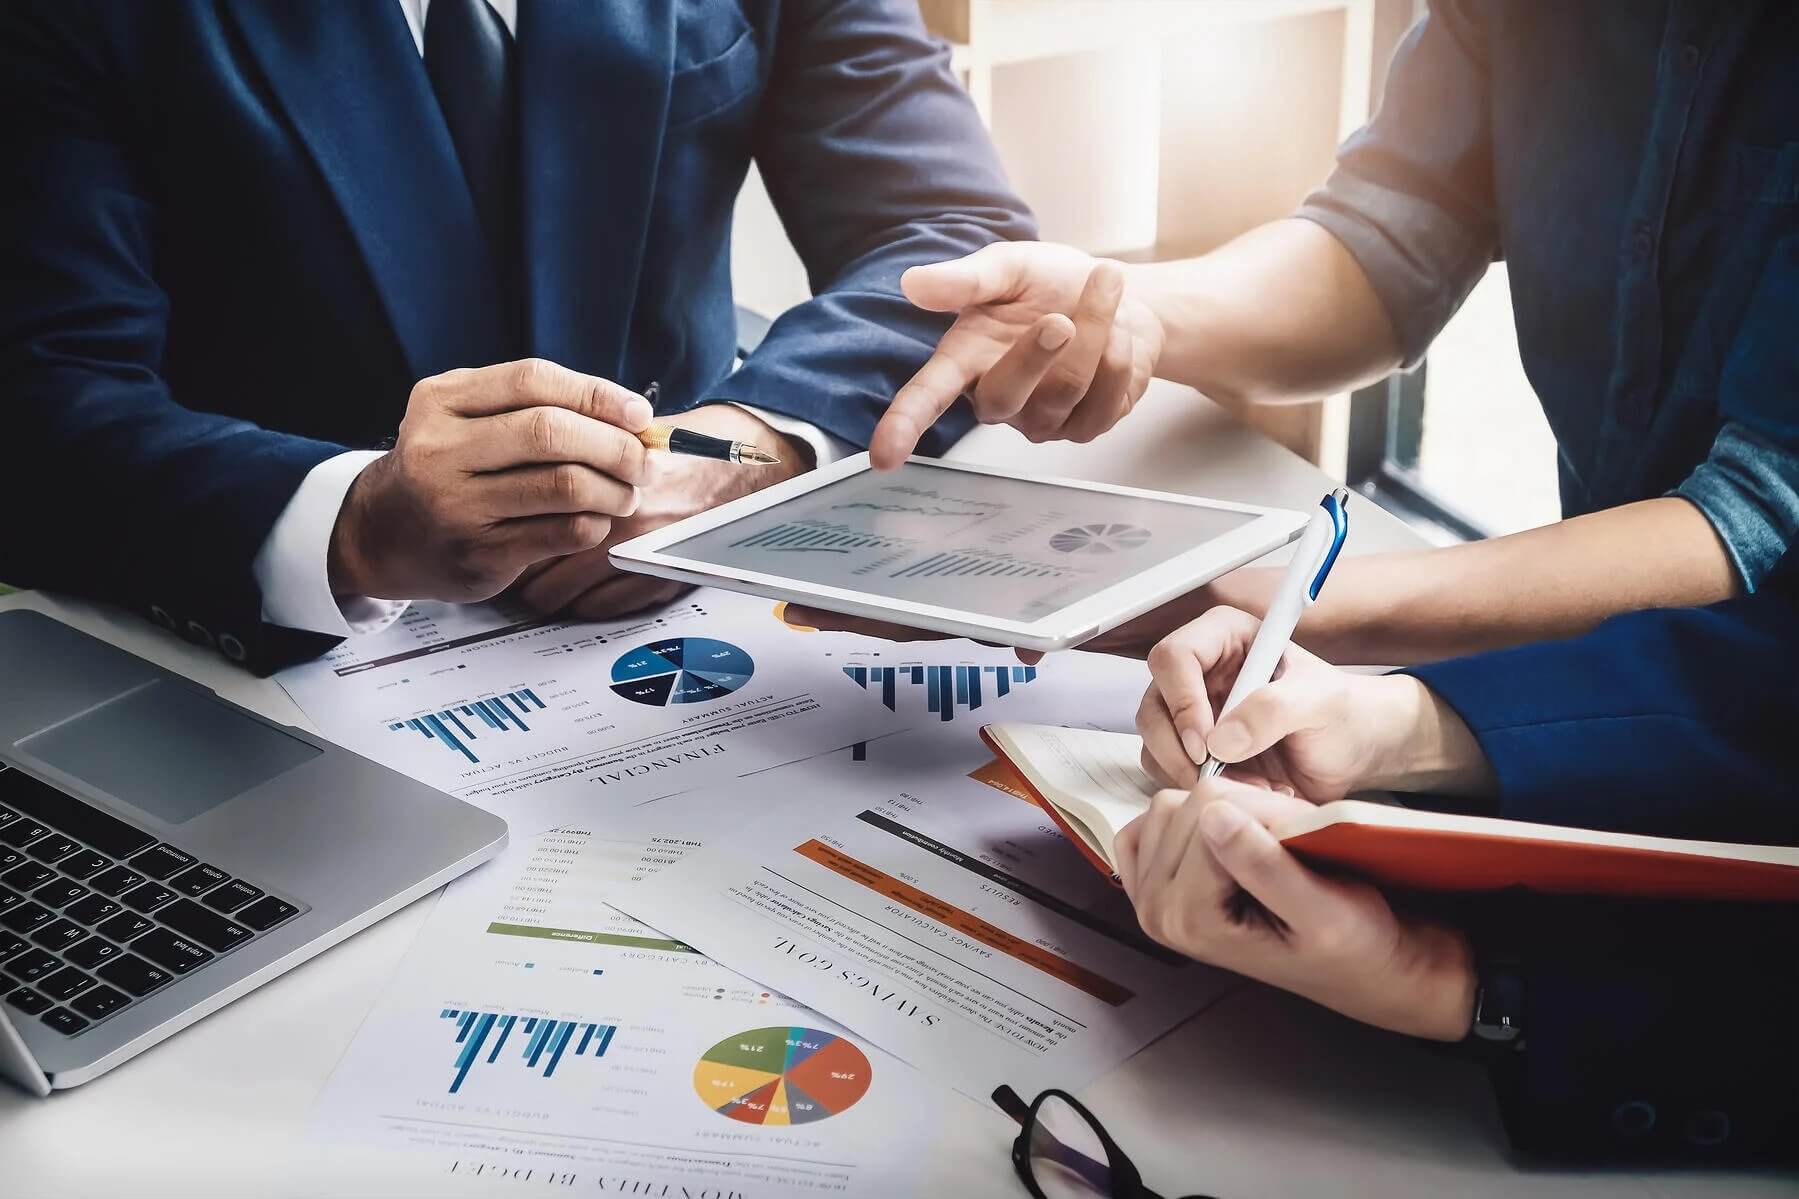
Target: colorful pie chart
781 1076
681 670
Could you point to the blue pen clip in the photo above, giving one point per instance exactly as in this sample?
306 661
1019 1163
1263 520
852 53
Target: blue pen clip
1337 505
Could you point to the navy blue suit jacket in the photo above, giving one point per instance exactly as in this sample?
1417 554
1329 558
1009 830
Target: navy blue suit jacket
234 233
1652 1029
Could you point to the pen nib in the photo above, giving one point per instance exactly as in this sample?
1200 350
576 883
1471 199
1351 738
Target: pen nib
751 456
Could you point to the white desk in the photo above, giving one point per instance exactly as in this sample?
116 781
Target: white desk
1262 1095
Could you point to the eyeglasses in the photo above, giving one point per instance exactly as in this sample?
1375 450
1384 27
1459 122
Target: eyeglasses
1062 1152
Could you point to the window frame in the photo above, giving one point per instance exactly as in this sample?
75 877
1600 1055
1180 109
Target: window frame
1386 428
1386 419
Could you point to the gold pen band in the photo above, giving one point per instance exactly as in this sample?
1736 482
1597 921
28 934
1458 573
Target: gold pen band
675 440
655 437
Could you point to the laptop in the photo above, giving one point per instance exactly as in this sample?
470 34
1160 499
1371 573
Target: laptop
164 851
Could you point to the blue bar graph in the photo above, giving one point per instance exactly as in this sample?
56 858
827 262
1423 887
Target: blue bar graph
546 1040
493 713
948 689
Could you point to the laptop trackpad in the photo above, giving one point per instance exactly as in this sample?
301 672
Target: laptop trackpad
168 750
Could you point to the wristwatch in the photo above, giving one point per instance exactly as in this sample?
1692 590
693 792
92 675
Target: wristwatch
1498 1006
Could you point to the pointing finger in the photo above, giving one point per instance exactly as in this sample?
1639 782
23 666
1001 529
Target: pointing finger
916 407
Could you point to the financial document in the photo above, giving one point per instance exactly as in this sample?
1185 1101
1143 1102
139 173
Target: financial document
540 720
917 898
528 1037
575 870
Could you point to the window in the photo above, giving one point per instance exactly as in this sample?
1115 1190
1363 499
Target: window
1461 444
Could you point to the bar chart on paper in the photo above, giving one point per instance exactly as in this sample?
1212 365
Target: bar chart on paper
457 728
542 1042
948 689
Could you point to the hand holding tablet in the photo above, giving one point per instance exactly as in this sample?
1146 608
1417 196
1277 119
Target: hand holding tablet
963 550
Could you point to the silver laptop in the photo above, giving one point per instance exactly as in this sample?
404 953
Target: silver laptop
163 851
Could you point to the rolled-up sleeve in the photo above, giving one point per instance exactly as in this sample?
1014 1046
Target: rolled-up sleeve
1748 486
1412 195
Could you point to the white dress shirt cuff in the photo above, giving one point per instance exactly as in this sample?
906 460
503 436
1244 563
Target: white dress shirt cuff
293 566
826 449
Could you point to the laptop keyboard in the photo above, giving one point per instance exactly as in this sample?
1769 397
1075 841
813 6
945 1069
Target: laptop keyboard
96 914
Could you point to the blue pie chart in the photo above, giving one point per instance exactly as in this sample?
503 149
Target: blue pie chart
681 670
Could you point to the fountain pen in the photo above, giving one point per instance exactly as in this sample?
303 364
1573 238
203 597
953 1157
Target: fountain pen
700 445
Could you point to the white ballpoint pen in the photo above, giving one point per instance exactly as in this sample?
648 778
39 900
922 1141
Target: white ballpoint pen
1318 548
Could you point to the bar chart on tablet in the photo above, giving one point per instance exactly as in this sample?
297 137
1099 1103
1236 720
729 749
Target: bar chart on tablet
982 562
818 537
956 541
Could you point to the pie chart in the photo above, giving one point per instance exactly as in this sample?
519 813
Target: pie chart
1098 539
781 1076
681 670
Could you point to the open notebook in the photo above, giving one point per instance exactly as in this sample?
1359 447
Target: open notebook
1092 785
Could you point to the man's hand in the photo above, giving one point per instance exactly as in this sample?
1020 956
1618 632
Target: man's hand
493 469
1047 339
586 584
1187 862
1316 730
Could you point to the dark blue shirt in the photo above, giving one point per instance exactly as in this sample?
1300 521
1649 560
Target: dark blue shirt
1653 1029
1636 165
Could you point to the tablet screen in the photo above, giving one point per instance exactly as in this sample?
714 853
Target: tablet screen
1008 548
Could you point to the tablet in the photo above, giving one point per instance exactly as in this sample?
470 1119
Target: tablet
967 550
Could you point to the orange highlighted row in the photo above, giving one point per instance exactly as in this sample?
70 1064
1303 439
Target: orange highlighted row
966 923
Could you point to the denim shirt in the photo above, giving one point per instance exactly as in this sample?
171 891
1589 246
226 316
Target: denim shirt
1636 165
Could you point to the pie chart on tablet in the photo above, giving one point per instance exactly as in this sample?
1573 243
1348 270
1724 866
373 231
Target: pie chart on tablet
782 1076
1099 539
681 670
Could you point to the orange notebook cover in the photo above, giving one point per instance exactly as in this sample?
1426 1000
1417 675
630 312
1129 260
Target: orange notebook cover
1077 837
1090 782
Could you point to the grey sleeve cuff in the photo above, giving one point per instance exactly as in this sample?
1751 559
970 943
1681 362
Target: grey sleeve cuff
1421 261
1748 487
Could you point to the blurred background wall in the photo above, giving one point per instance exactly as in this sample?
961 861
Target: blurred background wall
1161 128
